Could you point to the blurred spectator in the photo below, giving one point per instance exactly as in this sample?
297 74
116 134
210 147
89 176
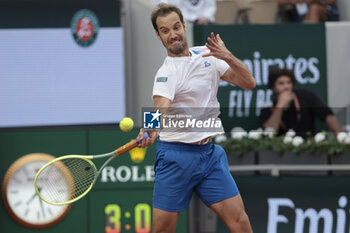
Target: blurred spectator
310 11
195 11
295 109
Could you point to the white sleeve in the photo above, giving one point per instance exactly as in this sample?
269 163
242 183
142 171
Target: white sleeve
164 85
221 66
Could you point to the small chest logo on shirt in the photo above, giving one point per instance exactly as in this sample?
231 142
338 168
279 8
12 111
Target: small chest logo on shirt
196 52
162 79
206 64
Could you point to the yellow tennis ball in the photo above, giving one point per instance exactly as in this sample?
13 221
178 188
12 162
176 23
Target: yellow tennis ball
126 124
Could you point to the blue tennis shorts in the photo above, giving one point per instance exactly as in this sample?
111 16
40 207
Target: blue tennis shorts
182 168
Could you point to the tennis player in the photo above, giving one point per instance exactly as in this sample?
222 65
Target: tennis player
189 162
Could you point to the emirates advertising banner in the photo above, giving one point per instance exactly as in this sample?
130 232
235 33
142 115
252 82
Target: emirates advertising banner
304 204
298 47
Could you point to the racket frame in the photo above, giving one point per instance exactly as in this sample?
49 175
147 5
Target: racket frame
121 150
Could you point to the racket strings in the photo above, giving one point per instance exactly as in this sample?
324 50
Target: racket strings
66 179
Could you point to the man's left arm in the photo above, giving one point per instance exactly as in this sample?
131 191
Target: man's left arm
238 73
323 111
333 124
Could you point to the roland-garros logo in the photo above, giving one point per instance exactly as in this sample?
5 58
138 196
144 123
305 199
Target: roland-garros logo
84 27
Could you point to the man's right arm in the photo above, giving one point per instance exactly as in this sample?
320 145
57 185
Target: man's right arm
283 102
274 120
161 102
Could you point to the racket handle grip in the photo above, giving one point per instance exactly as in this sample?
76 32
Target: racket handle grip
145 136
129 146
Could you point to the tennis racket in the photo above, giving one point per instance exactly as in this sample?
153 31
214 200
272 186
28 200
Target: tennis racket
68 178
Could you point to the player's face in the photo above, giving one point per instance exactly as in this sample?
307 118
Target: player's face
171 31
282 84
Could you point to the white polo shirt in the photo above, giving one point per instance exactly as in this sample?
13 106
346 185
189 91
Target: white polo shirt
191 83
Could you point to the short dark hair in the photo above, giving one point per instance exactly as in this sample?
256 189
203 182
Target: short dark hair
164 9
275 73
